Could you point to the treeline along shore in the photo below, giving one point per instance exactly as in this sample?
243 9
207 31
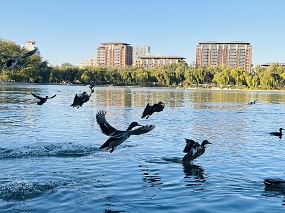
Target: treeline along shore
37 70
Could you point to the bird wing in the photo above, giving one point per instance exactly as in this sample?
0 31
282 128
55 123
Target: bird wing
4 56
27 54
141 130
146 111
189 145
106 128
36 96
52 97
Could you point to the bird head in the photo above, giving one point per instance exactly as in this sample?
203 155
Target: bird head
205 142
133 124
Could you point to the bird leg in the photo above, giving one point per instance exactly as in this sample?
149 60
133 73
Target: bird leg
112 150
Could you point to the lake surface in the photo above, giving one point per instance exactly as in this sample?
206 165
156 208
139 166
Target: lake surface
51 161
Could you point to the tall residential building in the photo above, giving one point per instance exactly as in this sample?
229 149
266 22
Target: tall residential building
151 61
140 51
30 45
114 54
231 54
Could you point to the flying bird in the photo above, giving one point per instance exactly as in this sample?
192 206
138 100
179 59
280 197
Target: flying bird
194 150
277 133
149 110
42 100
11 62
80 99
118 136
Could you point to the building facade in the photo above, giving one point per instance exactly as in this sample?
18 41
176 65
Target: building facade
114 54
231 54
30 45
151 61
139 51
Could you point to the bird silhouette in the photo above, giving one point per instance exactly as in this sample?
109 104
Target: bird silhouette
277 133
149 110
118 136
11 62
42 100
194 149
80 99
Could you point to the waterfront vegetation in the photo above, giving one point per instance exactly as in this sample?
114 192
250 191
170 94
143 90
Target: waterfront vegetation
35 69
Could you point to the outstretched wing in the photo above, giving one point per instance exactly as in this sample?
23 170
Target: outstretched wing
4 56
52 97
142 130
106 128
189 145
36 96
28 54
146 111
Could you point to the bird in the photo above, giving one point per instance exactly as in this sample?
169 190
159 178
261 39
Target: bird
80 99
252 102
277 133
194 149
118 136
149 110
11 62
91 86
275 183
42 100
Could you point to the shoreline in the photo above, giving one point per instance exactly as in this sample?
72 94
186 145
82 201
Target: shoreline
157 87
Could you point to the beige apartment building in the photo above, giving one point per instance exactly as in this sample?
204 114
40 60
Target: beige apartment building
114 54
231 54
151 61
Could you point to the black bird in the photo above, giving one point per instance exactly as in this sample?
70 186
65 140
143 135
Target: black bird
277 133
194 149
80 99
275 183
42 100
91 86
117 136
252 102
11 62
149 110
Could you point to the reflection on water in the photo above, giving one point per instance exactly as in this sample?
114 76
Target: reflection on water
192 170
151 176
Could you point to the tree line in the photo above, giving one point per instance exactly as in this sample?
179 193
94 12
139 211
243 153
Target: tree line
35 69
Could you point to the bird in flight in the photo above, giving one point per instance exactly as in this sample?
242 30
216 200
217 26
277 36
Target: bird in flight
80 99
11 62
149 110
42 100
118 136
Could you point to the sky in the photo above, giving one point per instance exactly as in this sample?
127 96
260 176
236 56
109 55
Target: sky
69 31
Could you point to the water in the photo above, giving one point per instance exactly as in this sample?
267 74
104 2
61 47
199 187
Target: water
50 161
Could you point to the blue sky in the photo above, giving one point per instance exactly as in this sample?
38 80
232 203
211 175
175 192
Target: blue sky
69 31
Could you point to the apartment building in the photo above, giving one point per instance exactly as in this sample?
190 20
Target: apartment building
151 61
139 51
114 54
231 54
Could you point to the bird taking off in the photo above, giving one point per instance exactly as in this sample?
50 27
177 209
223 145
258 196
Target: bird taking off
42 100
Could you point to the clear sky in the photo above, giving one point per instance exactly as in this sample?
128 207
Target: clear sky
69 31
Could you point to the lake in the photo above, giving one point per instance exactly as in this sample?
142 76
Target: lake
51 161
